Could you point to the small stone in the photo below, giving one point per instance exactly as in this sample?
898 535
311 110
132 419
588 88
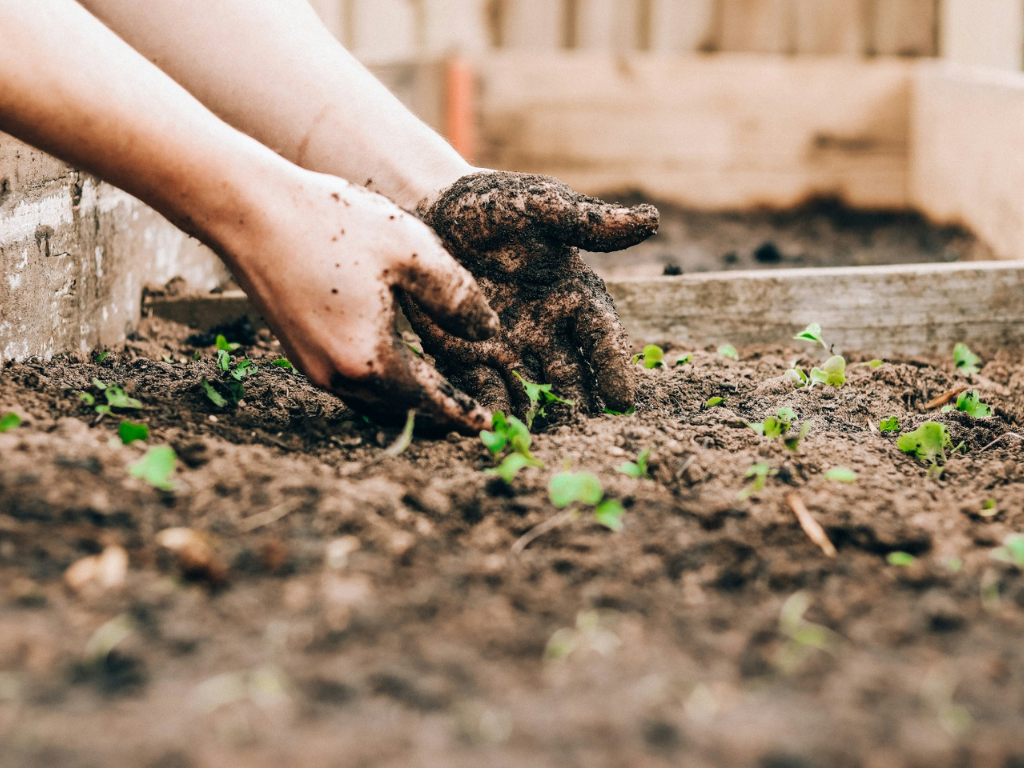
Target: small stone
338 551
195 554
98 573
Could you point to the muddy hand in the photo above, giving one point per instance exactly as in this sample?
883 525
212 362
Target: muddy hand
519 235
324 270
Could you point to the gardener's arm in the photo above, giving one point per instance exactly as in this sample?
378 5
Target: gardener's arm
319 257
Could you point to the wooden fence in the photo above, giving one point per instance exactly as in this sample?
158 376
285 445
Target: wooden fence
381 31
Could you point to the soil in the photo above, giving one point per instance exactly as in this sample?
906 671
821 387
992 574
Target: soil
821 233
342 607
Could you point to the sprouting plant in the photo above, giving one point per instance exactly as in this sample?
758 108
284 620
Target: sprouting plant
929 443
129 432
713 402
610 412
875 363
687 358
9 421
803 636
970 403
414 349
509 433
236 373
653 357
841 475
156 467
1012 551
759 474
966 362
797 376
781 426
223 345
637 469
510 466
540 397
832 373
811 333
283 363
989 508
404 440
891 424
787 414
115 396
793 439
729 351
901 559
212 394
568 489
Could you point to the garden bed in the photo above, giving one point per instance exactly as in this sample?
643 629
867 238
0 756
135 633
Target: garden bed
345 607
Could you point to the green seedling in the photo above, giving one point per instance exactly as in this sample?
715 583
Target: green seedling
637 469
223 360
811 333
212 394
832 373
970 403
414 349
610 412
509 433
798 377
892 424
653 357
759 474
197 356
9 421
86 398
841 475
687 358
282 363
570 488
929 443
875 363
729 351
510 467
156 467
989 508
792 440
803 637
713 402
540 397
223 345
129 432
787 414
901 559
1012 551
102 356
966 362
404 440
781 426
115 397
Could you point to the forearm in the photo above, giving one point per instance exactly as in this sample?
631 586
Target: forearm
271 69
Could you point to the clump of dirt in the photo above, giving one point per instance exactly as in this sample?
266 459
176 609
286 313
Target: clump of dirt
368 610
821 233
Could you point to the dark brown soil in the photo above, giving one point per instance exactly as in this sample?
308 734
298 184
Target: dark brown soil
822 233
364 610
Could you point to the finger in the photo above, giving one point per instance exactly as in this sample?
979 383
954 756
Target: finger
606 347
486 385
602 227
564 371
448 294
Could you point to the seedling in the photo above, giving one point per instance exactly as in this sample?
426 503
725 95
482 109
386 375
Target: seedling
832 373
966 362
9 421
841 475
610 412
812 333
653 357
282 363
729 351
787 414
567 489
212 394
901 559
970 403
414 349
929 443
237 371
115 396
989 508
760 474
129 432
156 467
637 469
792 441
223 345
713 402
798 377
509 432
101 357
1012 551
401 445
510 467
891 424
540 396
875 363
780 426
687 358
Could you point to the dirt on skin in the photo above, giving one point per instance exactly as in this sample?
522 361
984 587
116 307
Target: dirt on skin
359 609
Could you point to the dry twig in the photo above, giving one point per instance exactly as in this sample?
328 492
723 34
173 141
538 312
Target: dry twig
811 526
945 399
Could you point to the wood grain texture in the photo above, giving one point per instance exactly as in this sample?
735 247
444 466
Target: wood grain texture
904 27
988 34
533 25
758 26
683 27
831 27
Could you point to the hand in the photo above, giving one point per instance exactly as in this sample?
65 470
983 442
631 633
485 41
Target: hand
519 235
323 264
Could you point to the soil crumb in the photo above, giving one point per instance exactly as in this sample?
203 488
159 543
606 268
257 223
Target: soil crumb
366 610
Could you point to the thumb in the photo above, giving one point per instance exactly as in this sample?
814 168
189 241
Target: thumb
448 293
600 227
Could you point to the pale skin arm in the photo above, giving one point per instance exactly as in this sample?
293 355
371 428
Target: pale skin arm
320 257
273 70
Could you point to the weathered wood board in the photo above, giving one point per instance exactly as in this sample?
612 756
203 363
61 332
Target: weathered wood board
987 34
910 310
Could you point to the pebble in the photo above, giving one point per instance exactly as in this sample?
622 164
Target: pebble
194 552
338 551
98 573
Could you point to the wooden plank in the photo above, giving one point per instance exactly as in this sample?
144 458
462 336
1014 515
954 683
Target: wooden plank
831 27
533 25
679 27
967 164
708 132
987 34
920 309
904 27
757 26
608 25
454 27
908 310
384 31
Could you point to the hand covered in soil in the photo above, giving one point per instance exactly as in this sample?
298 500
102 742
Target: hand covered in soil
519 235
323 268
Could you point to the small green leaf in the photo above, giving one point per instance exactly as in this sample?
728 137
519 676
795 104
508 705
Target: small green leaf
714 402
129 432
118 398
610 412
653 357
243 369
282 363
99 384
494 442
988 508
510 467
760 474
729 351
223 345
212 394
156 467
86 398
637 469
9 421
104 410
568 488
841 475
811 333
197 356
539 396
101 357
901 559
687 358
892 424
224 359
414 349
876 363
965 361
928 442
1012 550
792 442
787 415
609 514
797 376
832 373
970 403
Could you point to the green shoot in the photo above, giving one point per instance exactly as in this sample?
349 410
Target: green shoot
929 443
970 403
798 377
99 384
832 373
792 441
9 421
212 394
966 362
653 357
568 488
687 358
510 467
713 402
989 508
223 360
509 432
1012 551
156 467
811 333
86 398
118 398
244 368
637 469
401 445
610 412
901 559
540 396
101 357
875 363
197 356
759 474
841 475
729 351
609 514
414 349
787 414
282 363
223 345
129 432
892 424
780 426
